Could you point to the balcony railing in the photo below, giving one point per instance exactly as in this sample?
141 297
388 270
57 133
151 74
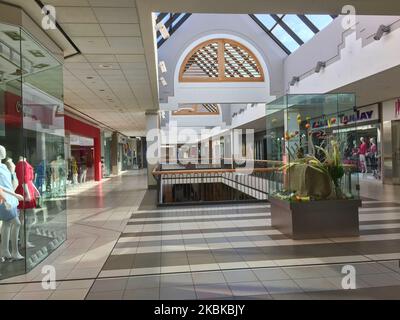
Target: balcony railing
223 182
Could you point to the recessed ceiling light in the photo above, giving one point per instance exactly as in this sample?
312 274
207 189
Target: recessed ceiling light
89 77
102 90
105 66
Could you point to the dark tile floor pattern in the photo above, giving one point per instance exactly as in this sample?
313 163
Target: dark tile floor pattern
297 282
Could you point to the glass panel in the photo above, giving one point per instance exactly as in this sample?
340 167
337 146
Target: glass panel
12 260
285 38
176 21
320 20
298 27
43 161
266 20
304 134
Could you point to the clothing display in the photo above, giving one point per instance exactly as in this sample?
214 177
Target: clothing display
8 209
25 175
40 177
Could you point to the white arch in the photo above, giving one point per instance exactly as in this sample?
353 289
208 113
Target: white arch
265 84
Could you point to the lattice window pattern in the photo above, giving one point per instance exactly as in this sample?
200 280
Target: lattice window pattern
221 60
203 63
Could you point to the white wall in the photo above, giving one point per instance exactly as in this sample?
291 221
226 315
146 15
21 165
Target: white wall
202 27
351 55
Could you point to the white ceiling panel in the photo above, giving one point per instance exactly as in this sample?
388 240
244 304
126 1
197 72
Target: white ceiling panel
68 3
82 29
131 58
116 15
101 58
120 29
105 66
133 44
113 3
75 15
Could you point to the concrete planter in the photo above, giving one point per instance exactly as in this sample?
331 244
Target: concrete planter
315 219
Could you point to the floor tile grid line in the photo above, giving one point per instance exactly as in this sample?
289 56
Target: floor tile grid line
205 218
241 208
283 242
98 275
227 270
219 208
198 218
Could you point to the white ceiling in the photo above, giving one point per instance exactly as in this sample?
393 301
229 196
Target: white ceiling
109 81
120 35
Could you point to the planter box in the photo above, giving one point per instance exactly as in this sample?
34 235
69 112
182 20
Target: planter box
315 219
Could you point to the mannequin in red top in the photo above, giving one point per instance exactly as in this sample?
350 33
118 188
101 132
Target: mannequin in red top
27 189
362 151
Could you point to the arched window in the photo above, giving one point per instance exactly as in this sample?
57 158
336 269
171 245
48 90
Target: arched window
221 60
205 109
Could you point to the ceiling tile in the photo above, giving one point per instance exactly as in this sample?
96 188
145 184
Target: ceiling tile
131 43
130 58
100 58
69 3
115 3
75 15
116 15
121 29
82 29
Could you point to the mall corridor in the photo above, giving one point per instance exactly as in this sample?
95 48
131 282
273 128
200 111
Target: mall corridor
97 214
120 246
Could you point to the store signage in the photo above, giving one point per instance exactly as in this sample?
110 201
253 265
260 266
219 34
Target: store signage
397 108
361 115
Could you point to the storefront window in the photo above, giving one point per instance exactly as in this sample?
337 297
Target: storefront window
81 160
32 152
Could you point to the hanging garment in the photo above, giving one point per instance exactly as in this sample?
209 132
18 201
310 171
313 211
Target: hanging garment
8 210
25 175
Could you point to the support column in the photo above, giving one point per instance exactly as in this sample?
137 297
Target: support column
114 154
97 157
152 146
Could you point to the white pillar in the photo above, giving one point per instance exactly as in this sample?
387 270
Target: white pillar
153 147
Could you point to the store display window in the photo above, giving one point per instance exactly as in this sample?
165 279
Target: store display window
81 160
307 150
32 169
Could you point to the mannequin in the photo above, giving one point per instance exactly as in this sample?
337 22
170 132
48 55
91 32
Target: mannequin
28 190
362 151
11 166
55 179
83 171
62 172
74 168
40 176
8 213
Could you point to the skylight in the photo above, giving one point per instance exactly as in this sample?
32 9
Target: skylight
172 21
290 31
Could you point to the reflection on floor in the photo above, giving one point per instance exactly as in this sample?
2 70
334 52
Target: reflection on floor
120 246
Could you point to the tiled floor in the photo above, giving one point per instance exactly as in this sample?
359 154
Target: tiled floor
122 247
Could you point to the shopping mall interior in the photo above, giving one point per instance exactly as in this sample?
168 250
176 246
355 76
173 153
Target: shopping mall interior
197 150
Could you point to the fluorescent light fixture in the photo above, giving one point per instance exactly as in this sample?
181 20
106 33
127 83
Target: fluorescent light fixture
163 81
294 81
162 66
163 30
320 65
381 31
